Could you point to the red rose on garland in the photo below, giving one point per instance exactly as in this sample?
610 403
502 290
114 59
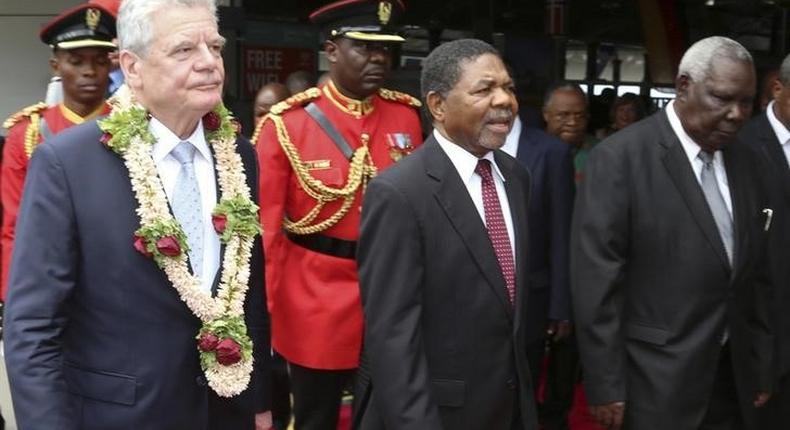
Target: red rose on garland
220 222
208 342
168 246
211 121
228 352
141 246
105 139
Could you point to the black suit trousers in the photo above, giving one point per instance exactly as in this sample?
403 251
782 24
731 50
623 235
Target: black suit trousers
723 410
317 394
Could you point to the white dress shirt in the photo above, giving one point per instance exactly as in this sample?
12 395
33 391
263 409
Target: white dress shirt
465 163
169 168
780 130
692 150
511 143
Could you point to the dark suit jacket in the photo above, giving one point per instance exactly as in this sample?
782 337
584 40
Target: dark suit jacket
550 165
759 135
652 286
96 336
444 349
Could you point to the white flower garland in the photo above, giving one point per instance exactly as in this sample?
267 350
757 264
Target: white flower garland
226 381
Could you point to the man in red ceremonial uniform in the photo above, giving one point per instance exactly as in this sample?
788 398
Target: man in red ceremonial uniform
317 151
80 39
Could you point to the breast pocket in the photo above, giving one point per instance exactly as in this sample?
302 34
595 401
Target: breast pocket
99 385
332 176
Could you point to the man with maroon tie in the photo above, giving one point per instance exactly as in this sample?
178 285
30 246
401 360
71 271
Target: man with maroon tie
442 262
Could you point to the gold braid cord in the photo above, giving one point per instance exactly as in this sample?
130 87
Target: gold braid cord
257 133
31 132
360 172
397 96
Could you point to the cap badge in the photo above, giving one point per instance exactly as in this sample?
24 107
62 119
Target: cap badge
385 12
92 17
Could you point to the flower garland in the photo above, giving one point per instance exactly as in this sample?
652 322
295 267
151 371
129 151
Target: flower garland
223 343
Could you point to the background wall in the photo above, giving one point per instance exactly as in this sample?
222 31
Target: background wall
24 70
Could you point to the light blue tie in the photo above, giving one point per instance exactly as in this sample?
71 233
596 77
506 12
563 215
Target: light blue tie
187 206
721 215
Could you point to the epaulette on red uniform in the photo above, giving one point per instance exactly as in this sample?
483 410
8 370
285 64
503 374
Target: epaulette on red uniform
397 96
31 115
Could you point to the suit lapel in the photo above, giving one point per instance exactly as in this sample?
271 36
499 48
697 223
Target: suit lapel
679 168
454 199
517 198
773 152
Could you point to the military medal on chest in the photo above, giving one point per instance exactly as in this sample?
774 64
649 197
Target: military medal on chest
399 145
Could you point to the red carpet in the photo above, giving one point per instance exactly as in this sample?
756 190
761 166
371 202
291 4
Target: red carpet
579 418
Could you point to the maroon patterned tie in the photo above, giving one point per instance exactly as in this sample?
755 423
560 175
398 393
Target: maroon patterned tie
497 230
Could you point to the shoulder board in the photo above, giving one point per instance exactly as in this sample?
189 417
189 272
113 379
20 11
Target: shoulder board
397 96
24 113
295 100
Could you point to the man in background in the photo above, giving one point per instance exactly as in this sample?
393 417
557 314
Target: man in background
769 134
566 112
80 39
299 81
549 162
269 95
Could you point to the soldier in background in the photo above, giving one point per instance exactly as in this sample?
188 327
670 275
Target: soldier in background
318 150
80 39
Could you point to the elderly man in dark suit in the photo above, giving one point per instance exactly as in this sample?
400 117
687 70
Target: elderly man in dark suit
136 298
769 134
668 241
442 259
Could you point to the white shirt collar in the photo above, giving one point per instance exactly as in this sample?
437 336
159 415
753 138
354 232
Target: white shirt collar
166 140
511 143
779 129
464 161
689 146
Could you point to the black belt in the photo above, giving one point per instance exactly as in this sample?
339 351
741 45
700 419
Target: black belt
325 245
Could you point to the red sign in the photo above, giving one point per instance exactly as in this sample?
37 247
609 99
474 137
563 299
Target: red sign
265 64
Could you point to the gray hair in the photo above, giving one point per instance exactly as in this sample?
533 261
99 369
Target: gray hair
135 31
563 86
697 62
442 69
784 71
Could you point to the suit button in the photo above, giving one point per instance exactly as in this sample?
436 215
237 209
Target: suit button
511 384
201 381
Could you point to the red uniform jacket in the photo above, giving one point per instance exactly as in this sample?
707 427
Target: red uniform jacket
313 297
16 154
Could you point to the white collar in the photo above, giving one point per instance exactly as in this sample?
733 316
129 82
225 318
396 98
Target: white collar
689 146
511 143
779 129
166 140
464 161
